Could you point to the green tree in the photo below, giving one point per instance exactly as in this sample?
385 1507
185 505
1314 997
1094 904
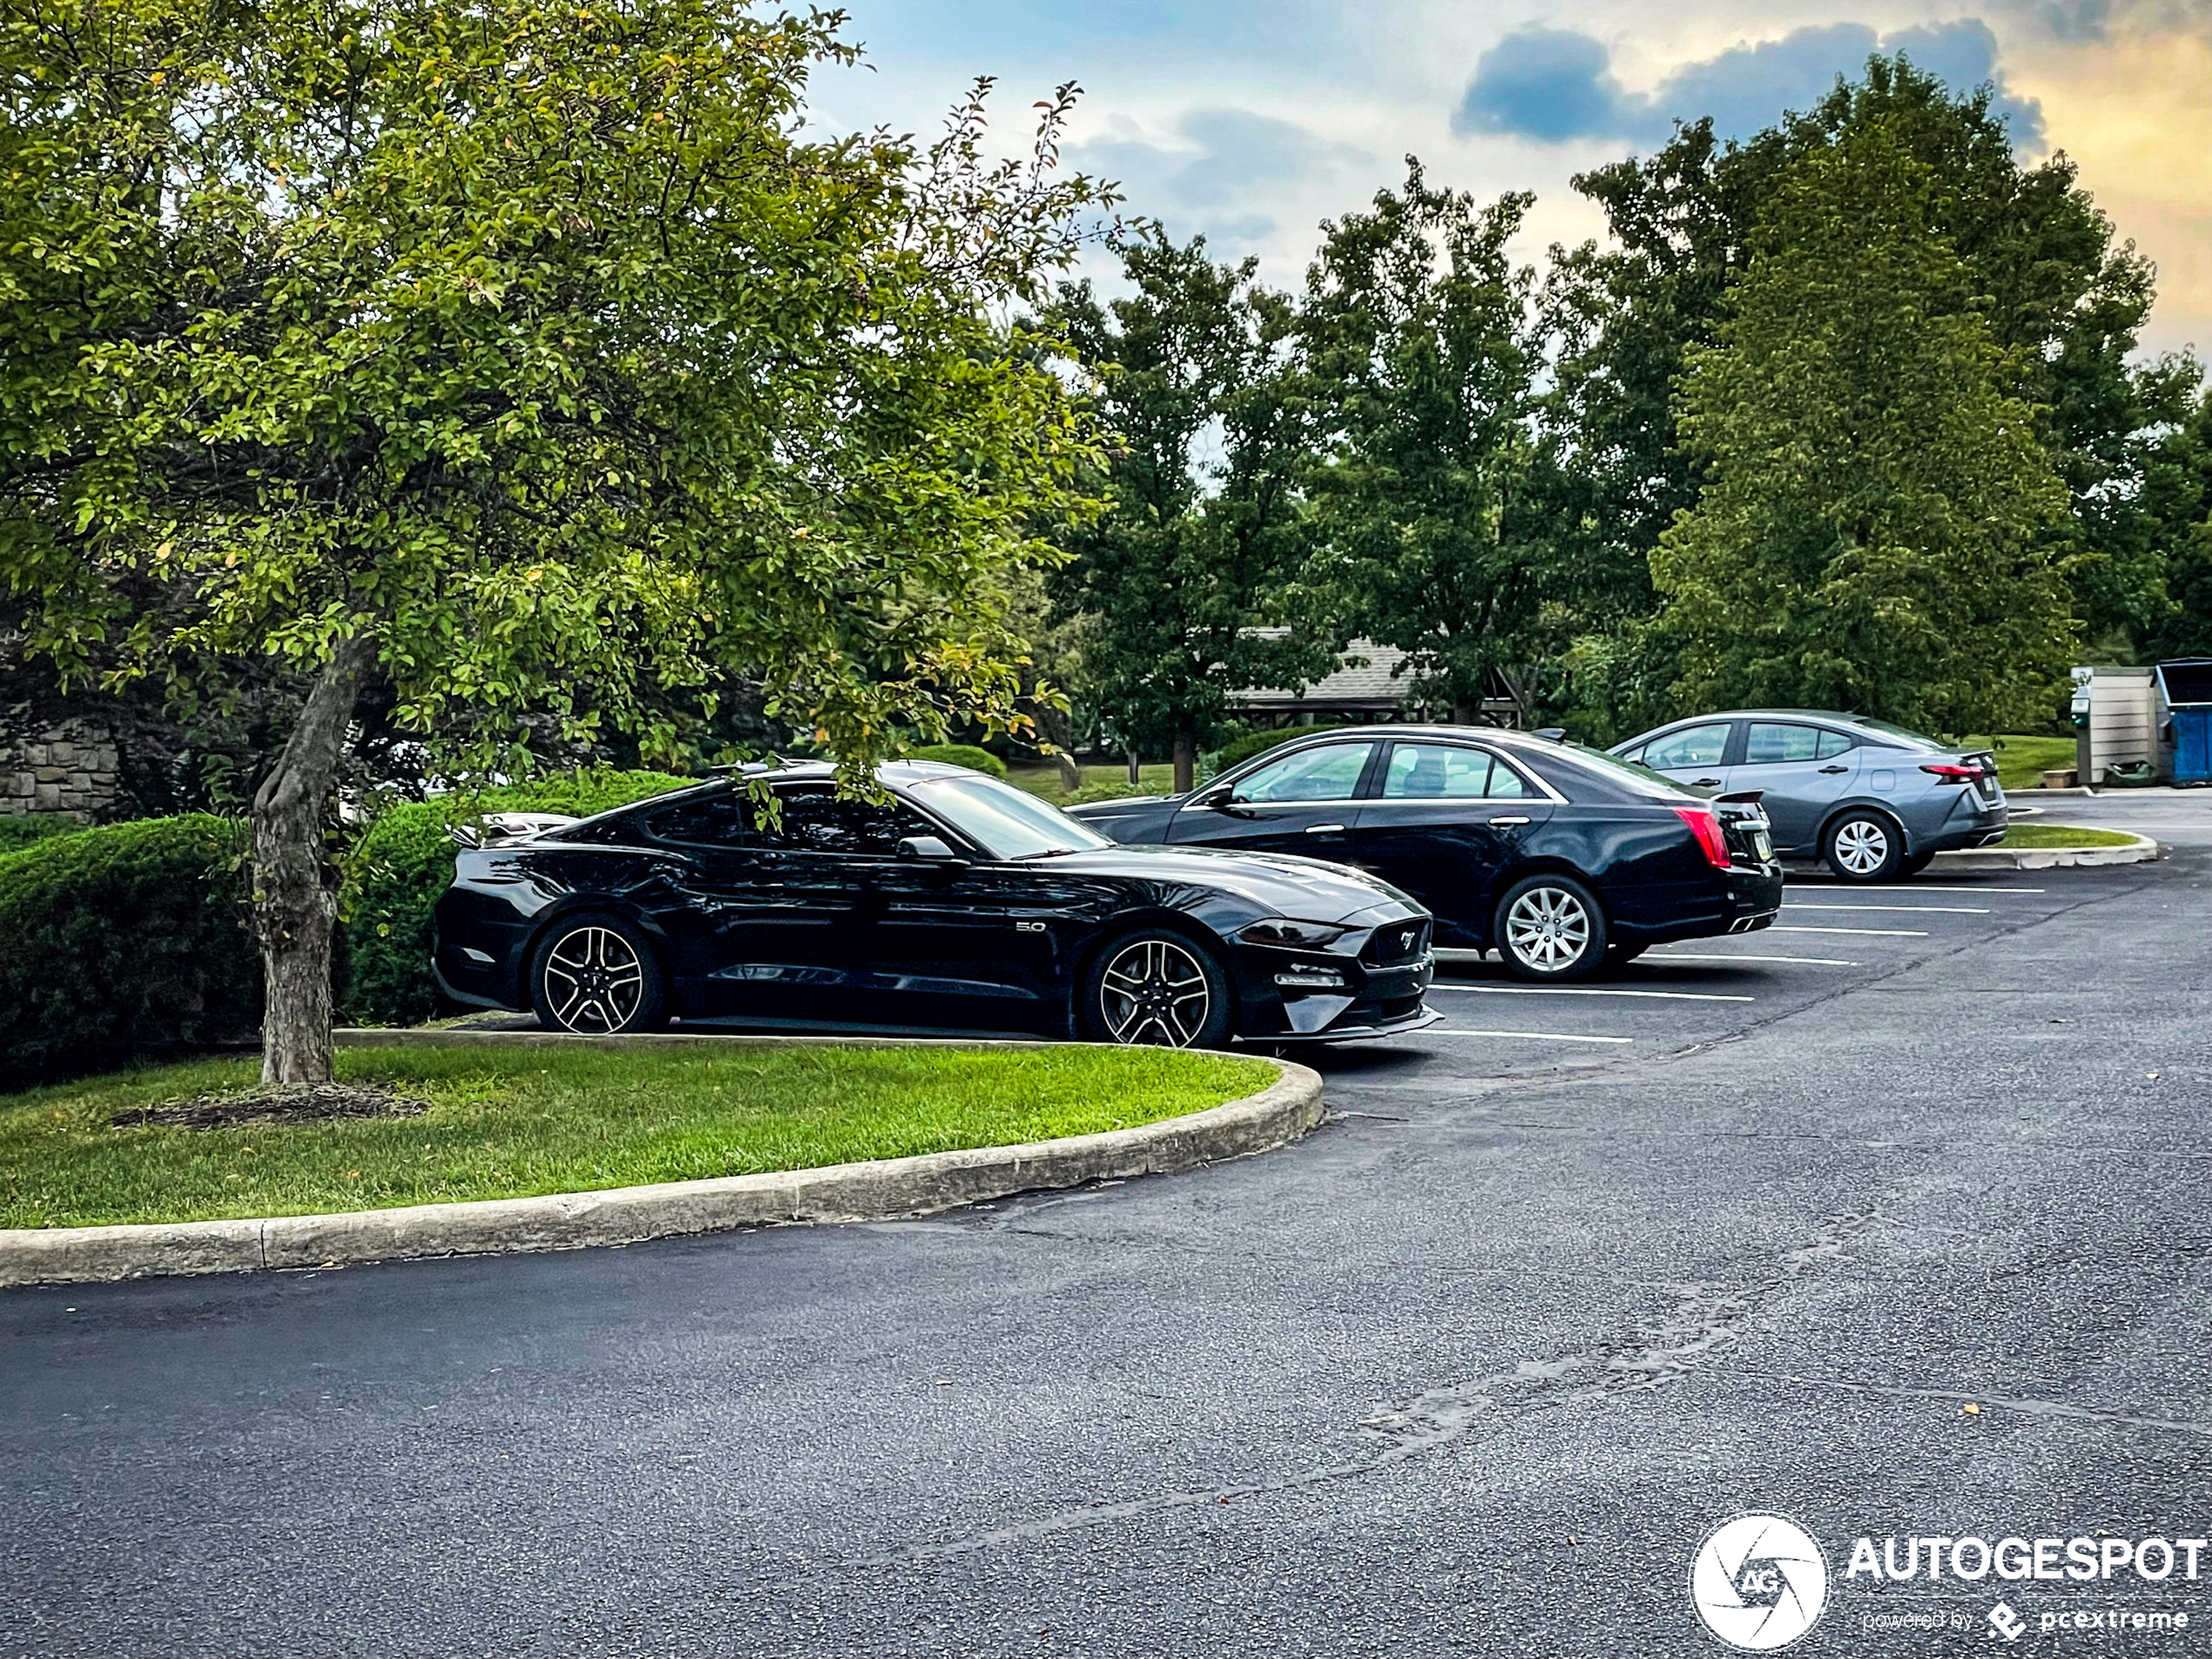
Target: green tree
2172 512
484 351
1876 527
1186 586
1421 345
2040 265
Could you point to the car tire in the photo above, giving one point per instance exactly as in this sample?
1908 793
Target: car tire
596 974
1863 847
1160 988
1550 927
1916 863
1621 955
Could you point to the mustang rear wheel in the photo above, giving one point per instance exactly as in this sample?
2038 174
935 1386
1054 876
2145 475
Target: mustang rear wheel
1159 987
596 974
1550 927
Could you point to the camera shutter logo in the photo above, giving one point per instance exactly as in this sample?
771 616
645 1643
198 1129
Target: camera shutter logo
1758 1583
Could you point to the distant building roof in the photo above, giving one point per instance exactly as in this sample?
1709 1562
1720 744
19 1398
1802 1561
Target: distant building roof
1374 679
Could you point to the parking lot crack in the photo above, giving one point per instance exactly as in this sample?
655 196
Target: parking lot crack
2025 1406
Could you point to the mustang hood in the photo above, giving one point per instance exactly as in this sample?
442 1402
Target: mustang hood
1286 884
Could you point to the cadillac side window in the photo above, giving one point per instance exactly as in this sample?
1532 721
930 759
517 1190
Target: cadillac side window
1330 772
1769 745
1436 772
817 820
1699 745
719 820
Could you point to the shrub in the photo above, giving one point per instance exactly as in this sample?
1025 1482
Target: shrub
1107 791
123 943
404 861
961 754
1240 750
20 830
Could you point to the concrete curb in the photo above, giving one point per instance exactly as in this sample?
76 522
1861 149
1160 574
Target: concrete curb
873 1192
2141 850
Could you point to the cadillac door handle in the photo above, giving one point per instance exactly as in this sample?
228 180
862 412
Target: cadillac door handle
1509 820
1325 829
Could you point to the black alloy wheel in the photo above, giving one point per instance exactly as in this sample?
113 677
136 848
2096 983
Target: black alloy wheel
595 975
1550 927
1158 987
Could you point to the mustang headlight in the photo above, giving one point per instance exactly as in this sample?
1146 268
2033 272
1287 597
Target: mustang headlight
1296 935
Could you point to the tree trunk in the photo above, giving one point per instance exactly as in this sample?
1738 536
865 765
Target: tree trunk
1135 776
1071 775
1465 714
294 907
1186 764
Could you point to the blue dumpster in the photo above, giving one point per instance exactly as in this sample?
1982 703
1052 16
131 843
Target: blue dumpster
2185 692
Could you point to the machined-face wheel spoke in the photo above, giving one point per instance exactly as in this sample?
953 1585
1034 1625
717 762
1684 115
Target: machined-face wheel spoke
1548 928
1861 847
594 980
1154 991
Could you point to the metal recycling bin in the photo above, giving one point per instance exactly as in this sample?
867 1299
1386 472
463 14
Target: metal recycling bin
2115 719
2185 720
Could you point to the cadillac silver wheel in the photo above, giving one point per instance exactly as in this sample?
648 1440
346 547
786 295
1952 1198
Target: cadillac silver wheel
1160 989
595 975
1864 846
1551 928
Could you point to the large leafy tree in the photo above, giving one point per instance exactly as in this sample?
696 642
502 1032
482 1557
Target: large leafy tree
1876 531
1187 588
481 353
1422 350
2038 263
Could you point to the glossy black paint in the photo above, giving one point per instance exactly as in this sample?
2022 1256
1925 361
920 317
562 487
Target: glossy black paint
746 929
1577 814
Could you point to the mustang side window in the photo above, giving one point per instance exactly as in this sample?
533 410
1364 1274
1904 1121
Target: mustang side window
1330 772
816 820
719 820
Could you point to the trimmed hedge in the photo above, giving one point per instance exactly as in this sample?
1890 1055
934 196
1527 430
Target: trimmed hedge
961 754
1237 752
20 830
123 943
404 861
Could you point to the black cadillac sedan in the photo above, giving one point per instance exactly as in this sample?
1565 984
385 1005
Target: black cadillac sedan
962 902
1559 857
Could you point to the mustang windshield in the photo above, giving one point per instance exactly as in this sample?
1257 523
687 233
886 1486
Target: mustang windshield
1003 820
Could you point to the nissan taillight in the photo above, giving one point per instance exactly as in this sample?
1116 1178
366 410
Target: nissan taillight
1952 774
1705 824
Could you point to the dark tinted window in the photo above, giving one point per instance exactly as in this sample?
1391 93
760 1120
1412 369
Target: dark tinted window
719 820
815 821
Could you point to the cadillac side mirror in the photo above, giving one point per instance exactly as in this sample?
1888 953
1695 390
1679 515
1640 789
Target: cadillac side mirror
925 846
1216 799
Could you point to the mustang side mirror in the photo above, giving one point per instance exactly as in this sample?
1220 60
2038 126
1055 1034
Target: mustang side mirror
925 846
1215 799
462 835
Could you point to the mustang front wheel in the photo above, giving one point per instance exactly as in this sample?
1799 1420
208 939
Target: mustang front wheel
1157 988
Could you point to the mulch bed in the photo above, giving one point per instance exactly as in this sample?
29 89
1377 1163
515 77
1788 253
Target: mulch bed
272 1104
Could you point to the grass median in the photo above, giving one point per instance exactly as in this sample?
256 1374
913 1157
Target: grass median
2063 835
508 1125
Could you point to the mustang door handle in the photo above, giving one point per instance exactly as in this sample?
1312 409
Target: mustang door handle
1829 772
1325 829
1509 820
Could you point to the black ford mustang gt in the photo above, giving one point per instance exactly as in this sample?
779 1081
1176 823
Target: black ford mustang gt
962 903
1559 857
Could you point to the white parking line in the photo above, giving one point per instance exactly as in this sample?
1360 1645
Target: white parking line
1913 887
1731 957
1533 1036
1914 909
1566 990
1866 932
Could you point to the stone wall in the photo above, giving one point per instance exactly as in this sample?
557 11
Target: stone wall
69 768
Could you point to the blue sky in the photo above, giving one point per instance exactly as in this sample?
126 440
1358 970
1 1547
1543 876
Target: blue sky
1250 122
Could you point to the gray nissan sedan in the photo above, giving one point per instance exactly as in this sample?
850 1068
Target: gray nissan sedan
1871 799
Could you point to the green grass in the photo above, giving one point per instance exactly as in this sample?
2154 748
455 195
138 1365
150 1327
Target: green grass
1045 780
2022 762
2062 835
525 1122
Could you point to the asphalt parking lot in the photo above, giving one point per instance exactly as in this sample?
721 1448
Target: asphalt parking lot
1903 1234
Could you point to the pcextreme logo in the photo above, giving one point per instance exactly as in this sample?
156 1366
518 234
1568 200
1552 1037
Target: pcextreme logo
1759 1582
